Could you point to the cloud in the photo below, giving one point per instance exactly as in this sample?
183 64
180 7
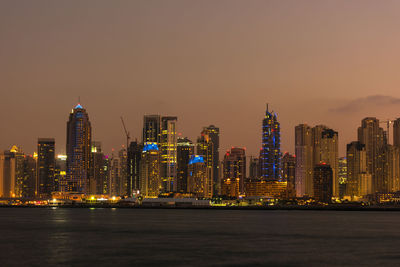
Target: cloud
363 103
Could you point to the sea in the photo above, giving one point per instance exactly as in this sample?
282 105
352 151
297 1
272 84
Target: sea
197 237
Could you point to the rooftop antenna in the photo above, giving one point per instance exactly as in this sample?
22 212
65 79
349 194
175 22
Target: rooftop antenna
267 107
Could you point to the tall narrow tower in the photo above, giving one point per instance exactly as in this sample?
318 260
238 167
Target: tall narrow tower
270 153
46 165
372 136
168 145
79 135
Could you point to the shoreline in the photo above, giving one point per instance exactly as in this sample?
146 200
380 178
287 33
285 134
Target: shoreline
272 208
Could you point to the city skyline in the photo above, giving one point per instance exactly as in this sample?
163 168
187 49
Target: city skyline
60 143
164 63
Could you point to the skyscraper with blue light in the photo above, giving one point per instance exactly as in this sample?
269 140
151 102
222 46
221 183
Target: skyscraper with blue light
150 180
79 136
270 153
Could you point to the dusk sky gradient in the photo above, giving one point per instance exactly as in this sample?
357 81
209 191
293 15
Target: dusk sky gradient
206 62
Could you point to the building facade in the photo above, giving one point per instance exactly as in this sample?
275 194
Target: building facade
46 162
79 140
234 172
270 153
185 149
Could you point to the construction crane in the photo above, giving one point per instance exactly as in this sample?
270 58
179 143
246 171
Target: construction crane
128 137
387 122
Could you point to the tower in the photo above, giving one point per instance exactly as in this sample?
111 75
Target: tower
185 149
289 173
270 152
79 135
232 183
372 136
151 128
197 183
168 145
150 182
133 168
322 183
304 160
46 167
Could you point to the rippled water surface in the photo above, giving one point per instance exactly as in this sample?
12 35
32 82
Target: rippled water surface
149 237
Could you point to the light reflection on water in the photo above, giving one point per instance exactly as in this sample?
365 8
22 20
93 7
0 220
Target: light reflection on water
201 237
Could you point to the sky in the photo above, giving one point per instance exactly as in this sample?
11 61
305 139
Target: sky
206 62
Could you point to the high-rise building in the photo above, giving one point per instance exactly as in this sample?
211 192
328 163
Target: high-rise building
232 184
168 145
46 162
323 177
270 153
98 177
254 168
29 189
123 171
12 173
205 148
388 172
150 181
342 174
212 133
115 176
304 160
372 136
356 167
318 147
60 174
330 156
197 183
289 173
79 135
151 129
185 149
133 169
396 133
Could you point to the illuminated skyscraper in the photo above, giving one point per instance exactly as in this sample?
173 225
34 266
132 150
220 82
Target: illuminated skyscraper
133 171
29 189
322 183
205 148
254 168
270 153
150 181
304 160
289 173
45 167
342 174
330 155
185 149
388 171
317 144
122 156
356 167
79 135
372 136
232 183
197 183
61 173
168 153
396 133
151 129
212 132
115 176
12 173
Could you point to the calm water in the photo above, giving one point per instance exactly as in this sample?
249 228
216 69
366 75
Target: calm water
142 237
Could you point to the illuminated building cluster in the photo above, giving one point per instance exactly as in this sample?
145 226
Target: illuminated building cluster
168 168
